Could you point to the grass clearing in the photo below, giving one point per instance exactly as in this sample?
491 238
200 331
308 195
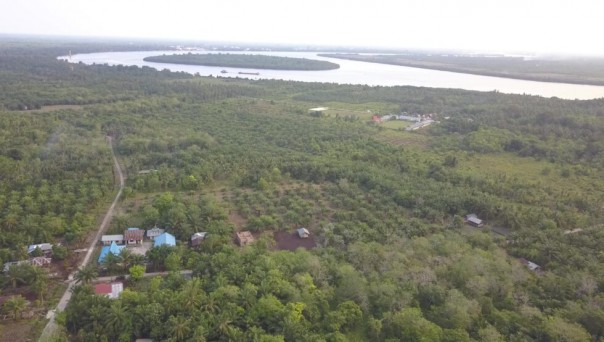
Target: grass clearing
396 124
402 138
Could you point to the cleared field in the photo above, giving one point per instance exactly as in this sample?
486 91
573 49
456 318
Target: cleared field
395 124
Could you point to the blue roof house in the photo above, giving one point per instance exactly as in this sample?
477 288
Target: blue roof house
113 249
165 239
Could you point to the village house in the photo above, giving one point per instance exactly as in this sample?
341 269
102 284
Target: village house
45 248
318 111
473 220
531 265
303 233
108 239
244 238
165 239
37 262
113 249
154 232
112 290
134 236
197 238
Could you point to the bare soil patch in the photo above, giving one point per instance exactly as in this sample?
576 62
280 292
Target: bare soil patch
291 241
11 330
236 219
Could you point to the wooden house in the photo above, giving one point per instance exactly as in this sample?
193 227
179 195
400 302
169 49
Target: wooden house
134 236
197 238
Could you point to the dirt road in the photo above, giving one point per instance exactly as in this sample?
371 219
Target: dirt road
51 326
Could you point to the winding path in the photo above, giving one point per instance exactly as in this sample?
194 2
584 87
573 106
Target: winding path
51 326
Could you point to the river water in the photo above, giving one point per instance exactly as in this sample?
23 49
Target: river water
356 72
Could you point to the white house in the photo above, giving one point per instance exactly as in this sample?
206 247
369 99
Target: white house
108 239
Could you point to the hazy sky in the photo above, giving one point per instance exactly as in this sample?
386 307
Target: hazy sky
484 25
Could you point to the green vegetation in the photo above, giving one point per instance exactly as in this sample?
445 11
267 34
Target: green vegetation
579 70
392 260
245 61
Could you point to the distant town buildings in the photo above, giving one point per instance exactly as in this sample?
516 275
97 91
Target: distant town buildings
419 120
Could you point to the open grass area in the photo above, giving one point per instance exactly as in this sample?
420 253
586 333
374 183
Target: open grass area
395 124
401 138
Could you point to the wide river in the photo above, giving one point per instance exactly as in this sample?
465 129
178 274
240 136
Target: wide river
355 72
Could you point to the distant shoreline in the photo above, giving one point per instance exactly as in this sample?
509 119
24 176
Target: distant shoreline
379 59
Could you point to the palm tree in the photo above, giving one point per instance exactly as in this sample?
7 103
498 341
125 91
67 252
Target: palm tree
211 305
40 286
118 319
15 274
138 259
112 262
192 294
86 274
16 305
179 328
127 258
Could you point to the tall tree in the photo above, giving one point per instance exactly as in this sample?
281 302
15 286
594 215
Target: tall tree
87 274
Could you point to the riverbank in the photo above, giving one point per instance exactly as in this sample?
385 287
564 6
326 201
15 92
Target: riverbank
357 72
571 71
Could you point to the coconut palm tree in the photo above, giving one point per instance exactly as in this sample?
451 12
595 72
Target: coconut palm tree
40 286
16 274
180 328
16 305
118 319
86 274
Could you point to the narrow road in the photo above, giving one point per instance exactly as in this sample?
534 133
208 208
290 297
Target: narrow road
51 326
185 273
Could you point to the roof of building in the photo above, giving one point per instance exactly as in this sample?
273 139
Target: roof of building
134 234
199 236
318 109
303 232
114 237
43 247
112 290
154 232
474 220
113 249
165 239
531 265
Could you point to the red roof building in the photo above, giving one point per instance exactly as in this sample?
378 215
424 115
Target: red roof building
112 290
134 236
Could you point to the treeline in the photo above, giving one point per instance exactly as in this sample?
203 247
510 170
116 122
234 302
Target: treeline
245 61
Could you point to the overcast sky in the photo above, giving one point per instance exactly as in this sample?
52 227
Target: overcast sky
572 27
